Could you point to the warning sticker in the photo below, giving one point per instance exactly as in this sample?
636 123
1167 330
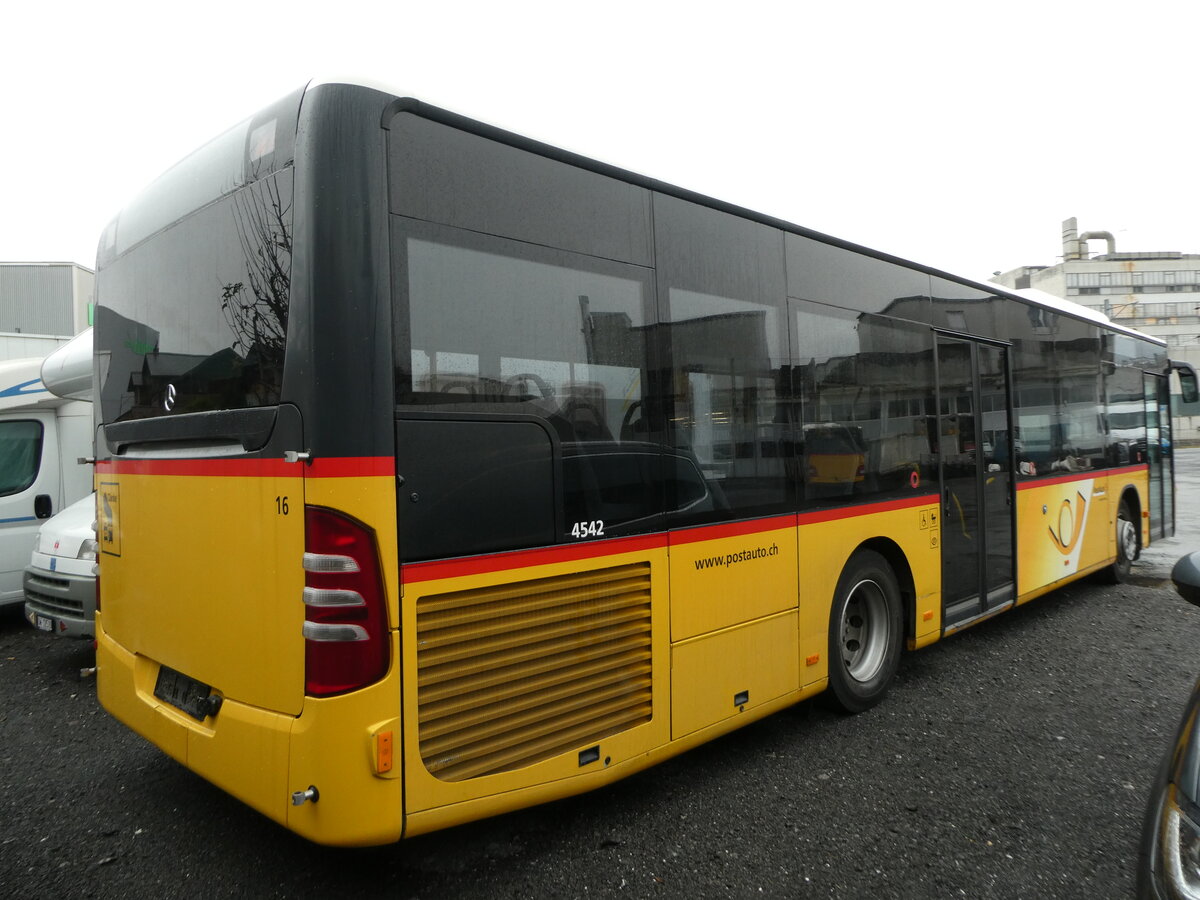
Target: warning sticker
108 502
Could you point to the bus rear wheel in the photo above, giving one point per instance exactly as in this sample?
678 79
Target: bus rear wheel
1128 545
865 631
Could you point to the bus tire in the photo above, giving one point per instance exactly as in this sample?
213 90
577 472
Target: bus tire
865 633
1129 545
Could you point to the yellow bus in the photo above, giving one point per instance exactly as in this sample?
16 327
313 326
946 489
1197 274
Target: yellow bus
442 472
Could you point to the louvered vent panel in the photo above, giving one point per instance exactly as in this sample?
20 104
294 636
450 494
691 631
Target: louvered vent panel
517 673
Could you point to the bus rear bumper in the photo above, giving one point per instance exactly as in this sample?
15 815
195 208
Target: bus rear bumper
256 755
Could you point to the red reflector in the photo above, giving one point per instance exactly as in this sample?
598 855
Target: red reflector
349 647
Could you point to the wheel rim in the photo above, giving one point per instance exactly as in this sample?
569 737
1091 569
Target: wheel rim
865 630
1127 539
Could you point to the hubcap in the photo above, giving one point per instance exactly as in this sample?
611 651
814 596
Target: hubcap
1127 536
865 631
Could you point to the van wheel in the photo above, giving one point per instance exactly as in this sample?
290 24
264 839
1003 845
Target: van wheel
1129 545
865 631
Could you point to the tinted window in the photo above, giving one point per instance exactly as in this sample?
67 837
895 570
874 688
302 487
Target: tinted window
861 391
20 455
828 274
249 151
444 175
203 308
722 280
491 330
1124 404
1080 398
957 307
515 329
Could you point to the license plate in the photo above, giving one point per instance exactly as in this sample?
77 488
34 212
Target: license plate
182 692
43 623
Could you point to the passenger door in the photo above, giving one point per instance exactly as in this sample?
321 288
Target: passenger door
976 466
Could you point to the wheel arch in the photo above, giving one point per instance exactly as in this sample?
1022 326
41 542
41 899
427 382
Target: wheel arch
1128 493
898 562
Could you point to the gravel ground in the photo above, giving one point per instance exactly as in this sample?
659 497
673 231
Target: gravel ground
1012 760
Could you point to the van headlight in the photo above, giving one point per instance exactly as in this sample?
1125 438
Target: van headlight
87 550
1181 845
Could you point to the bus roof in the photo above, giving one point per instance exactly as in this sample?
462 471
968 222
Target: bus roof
405 102
1028 296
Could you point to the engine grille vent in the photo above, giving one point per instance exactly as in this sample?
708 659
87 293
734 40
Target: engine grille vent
513 674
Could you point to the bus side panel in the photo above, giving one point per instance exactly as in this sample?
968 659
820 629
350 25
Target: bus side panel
827 541
720 676
487 652
733 620
1066 528
727 574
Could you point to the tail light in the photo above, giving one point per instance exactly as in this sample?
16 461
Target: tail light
862 470
346 643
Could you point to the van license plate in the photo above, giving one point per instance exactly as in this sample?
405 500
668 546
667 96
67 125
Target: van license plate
183 693
44 623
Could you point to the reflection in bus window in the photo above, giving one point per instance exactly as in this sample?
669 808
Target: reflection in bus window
862 387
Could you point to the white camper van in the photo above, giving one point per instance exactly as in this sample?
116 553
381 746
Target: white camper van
42 438
60 580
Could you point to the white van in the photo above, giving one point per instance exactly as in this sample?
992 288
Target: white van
60 580
42 438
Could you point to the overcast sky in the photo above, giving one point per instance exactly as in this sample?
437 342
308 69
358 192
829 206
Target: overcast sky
958 134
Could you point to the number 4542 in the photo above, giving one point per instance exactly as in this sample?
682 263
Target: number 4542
594 528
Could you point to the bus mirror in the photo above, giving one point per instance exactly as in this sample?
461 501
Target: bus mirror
1188 389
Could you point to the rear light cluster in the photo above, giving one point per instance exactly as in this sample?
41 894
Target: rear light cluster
346 644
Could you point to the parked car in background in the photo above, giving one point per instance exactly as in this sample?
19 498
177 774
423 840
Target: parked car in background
1169 856
60 581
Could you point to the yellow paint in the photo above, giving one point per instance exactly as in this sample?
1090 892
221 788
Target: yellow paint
739 628
209 582
424 791
719 583
331 749
1068 529
825 547
711 675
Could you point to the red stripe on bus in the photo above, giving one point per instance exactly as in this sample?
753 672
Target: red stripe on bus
850 512
351 467
332 467
731 529
1081 476
519 559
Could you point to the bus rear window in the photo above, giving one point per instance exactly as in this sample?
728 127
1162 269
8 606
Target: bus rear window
195 319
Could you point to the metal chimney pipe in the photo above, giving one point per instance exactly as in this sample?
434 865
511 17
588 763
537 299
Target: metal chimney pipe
1070 239
1095 236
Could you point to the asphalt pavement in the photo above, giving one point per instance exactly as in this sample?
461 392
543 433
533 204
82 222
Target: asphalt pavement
1011 760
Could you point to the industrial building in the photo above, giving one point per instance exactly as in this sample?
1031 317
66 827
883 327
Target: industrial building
42 305
1156 292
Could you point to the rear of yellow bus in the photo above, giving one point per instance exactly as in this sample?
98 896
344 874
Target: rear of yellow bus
249 577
